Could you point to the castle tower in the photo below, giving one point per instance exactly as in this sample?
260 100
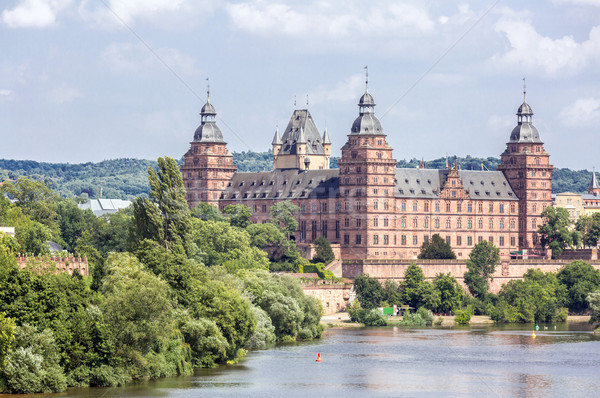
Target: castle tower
367 171
526 165
301 140
594 188
208 165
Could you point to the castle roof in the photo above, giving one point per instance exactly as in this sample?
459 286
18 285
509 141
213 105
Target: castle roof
208 131
301 129
525 131
366 123
593 182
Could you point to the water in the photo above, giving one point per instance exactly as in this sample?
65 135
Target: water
383 362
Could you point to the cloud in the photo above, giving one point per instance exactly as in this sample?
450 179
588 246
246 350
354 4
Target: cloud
533 52
34 13
63 94
595 3
5 92
323 19
345 90
585 112
133 58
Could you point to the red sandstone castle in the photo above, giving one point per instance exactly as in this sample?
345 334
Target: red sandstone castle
369 207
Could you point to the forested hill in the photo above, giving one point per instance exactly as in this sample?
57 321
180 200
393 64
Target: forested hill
128 178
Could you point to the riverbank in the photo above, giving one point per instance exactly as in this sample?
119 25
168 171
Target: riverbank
342 320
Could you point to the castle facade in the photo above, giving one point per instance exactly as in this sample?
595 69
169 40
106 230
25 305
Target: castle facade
368 206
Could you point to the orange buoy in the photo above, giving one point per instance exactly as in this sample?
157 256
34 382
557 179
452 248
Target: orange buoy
319 357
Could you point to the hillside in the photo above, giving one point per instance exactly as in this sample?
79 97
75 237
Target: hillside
128 178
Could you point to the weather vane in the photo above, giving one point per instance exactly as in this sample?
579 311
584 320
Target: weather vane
367 77
207 89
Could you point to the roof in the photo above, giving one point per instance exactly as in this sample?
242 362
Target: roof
302 126
593 182
427 183
104 206
525 131
208 131
366 123
283 184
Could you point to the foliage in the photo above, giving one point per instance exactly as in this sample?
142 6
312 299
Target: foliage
481 265
589 228
369 291
33 363
207 212
463 316
554 232
593 299
7 335
319 269
282 216
450 292
436 249
368 317
416 291
422 317
579 278
239 215
323 252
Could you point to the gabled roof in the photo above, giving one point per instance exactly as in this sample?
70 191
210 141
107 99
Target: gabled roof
302 122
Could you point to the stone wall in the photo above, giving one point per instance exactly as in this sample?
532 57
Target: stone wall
505 271
61 264
335 297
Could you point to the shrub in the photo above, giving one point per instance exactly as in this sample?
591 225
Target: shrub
462 317
561 315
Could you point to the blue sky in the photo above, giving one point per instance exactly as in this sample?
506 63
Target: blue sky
88 80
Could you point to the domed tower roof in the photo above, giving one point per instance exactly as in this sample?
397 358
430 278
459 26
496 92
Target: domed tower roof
366 123
208 131
525 131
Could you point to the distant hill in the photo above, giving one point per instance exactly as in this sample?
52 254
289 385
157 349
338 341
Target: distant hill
128 178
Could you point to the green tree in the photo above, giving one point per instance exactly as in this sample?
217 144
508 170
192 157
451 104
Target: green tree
323 252
481 266
369 291
416 291
35 199
207 212
282 216
165 217
594 302
554 232
73 221
450 293
579 279
436 249
239 215
7 335
589 228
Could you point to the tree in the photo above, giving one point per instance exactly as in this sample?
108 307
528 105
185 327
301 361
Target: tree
35 199
165 217
7 335
594 302
239 215
450 292
481 266
579 279
589 227
282 215
369 291
323 252
436 249
416 291
205 211
554 232
72 221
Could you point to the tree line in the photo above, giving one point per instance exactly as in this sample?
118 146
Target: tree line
126 178
538 297
170 289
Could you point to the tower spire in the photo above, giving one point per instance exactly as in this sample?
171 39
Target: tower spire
207 90
524 89
366 78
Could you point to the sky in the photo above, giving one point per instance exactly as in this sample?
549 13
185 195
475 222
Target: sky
89 80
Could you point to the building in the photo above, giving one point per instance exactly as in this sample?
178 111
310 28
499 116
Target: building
101 207
368 206
573 203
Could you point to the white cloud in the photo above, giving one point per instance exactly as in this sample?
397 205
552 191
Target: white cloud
585 112
595 3
5 92
531 51
323 19
343 91
63 94
34 13
128 58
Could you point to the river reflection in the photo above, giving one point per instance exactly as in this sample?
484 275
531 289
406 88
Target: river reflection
393 361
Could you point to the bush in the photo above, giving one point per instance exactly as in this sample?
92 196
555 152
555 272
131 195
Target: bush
462 317
368 317
561 315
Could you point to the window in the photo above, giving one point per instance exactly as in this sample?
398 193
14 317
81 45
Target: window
491 239
324 207
385 222
480 223
534 224
502 241
480 207
403 240
314 230
458 240
403 205
414 223
469 241
403 222
491 223
448 207
415 205
386 206
375 239
302 230
512 208
324 228
346 205
491 208
358 205
448 239
470 223
426 222
470 207
534 209
501 207
337 206
358 239
375 222
436 223
337 229
386 240
358 223
426 206
426 238
437 206
459 223
512 224
375 205
502 223
448 222
479 239
415 240
459 207
346 239
264 208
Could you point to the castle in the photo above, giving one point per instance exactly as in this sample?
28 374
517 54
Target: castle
369 207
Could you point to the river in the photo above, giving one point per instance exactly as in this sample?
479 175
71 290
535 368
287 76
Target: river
394 361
